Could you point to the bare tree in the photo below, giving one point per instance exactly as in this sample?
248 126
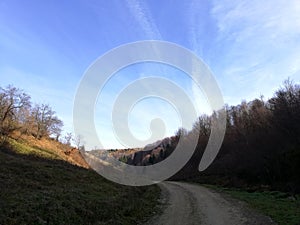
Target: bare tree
181 132
12 101
78 141
68 138
203 125
56 128
46 122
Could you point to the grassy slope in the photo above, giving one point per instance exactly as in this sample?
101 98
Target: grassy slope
37 187
282 208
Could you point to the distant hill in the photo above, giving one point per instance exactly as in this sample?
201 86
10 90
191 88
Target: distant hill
150 154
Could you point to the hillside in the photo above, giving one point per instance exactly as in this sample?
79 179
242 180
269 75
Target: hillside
150 154
261 146
43 183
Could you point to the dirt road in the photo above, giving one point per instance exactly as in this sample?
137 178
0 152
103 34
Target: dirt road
193 204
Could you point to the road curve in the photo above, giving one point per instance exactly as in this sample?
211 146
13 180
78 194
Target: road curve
189 204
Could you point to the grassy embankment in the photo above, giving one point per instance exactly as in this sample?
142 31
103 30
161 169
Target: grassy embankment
38 187
281 207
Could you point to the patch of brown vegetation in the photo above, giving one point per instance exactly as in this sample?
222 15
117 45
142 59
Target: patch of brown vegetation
63 151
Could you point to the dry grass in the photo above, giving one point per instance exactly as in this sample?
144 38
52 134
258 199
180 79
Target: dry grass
38 187
55 147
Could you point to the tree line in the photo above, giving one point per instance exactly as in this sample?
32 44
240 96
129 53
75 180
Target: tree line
261 144
18 113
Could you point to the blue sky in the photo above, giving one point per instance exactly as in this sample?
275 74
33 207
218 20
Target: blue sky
46 46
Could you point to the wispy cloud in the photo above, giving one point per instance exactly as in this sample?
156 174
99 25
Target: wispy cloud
269 20
198 30
195 22
143 17
260 43
252 47
141 117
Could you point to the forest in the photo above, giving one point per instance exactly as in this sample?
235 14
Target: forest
261 147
